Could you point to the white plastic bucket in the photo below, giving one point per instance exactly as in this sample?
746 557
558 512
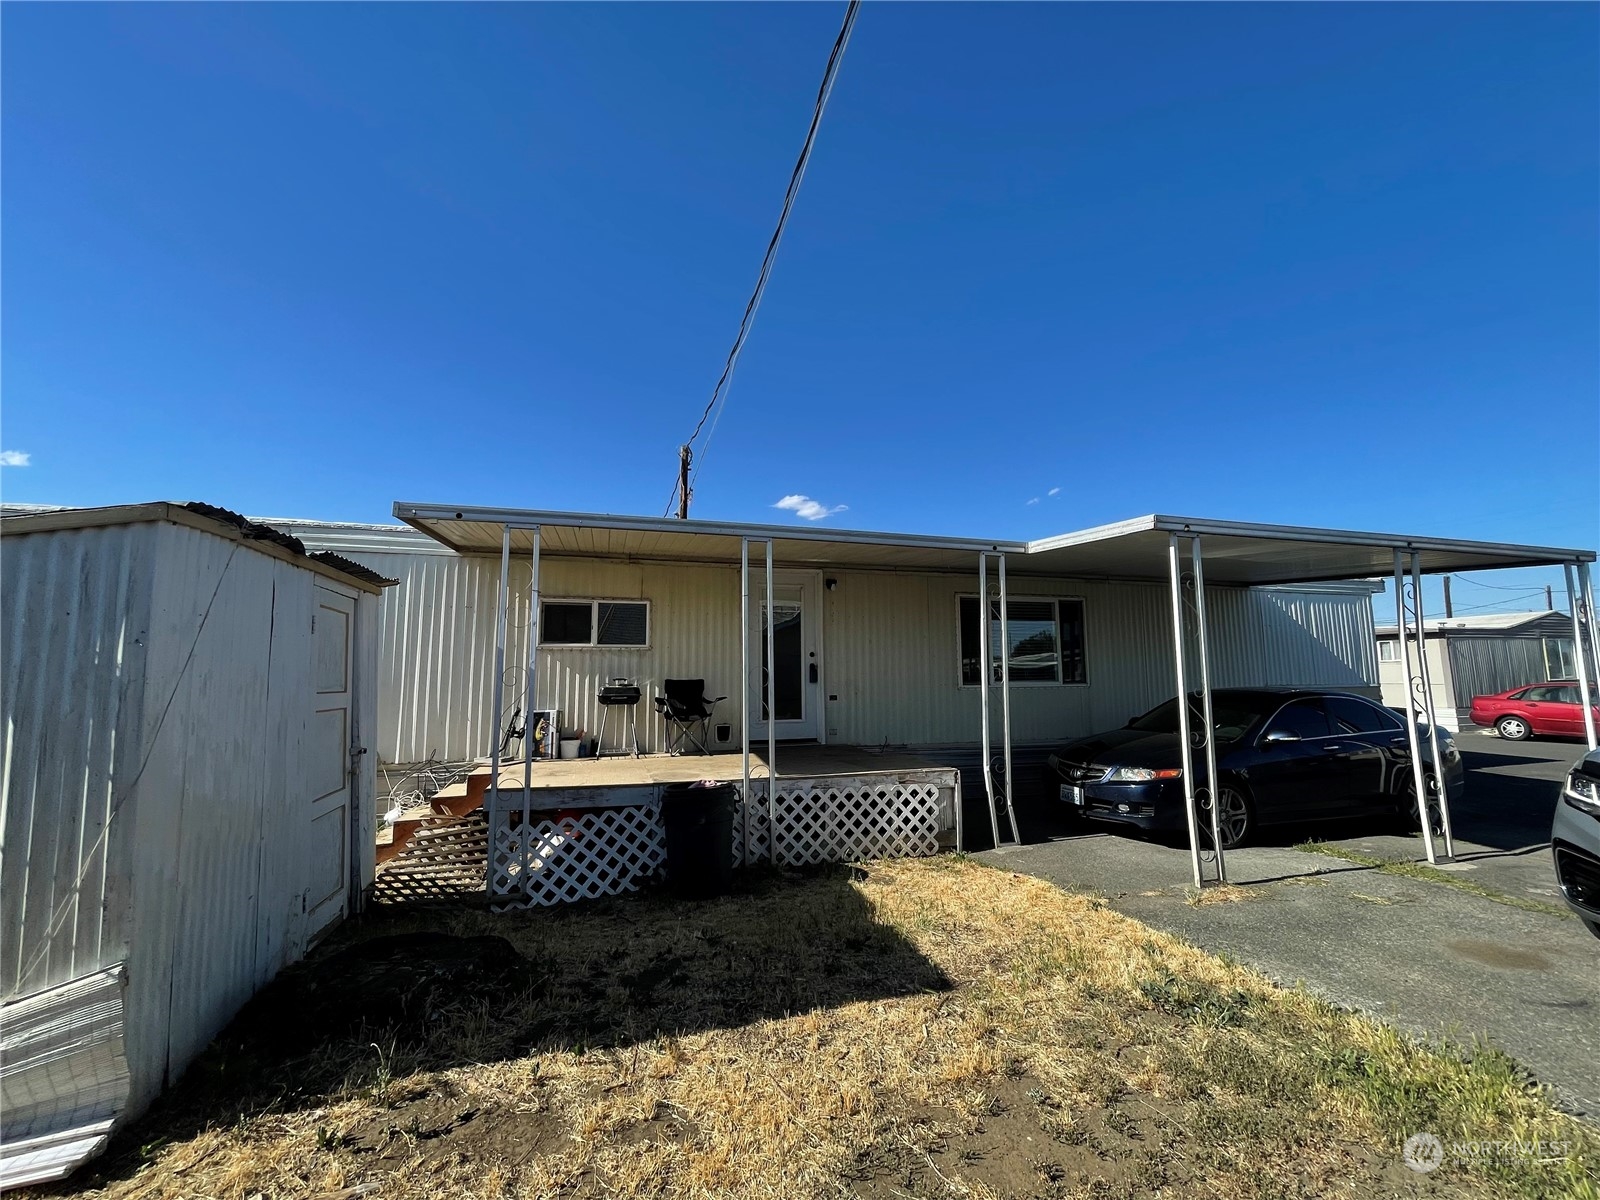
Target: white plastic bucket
569 747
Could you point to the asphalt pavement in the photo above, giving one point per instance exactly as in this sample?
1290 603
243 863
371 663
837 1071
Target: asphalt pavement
1431 958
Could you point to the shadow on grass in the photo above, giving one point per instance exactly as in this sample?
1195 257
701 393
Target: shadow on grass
407 991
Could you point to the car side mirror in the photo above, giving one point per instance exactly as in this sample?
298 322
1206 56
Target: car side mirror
1280 736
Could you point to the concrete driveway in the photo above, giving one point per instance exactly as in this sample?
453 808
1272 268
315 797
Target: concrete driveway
1428 957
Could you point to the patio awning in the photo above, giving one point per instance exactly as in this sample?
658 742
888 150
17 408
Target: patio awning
667 539
1237 553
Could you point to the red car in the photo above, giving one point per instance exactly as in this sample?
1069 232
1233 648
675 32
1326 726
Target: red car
1554 707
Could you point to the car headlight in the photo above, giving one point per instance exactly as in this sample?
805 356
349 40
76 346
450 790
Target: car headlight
1142 774
1583 793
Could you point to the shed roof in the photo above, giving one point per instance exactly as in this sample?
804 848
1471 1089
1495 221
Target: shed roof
206 517
1523 622
1235 552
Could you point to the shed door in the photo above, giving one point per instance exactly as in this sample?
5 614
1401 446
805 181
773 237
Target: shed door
329 743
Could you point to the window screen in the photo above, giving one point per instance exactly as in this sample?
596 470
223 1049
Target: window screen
567 624
1558 660
1046 641
1388 651
622 624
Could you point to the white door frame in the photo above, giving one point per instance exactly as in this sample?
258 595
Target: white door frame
323 912
812 631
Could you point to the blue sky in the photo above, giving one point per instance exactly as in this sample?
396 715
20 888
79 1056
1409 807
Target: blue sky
1238 261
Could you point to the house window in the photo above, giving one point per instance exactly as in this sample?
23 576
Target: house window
1389 651
1046 640
594 623
1558 660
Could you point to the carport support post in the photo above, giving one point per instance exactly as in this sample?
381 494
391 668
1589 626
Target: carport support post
1175 571
1428 708
1005 700
983 673
772 722
499 699
1580 601
1205 705
744 692
1419 778
530 703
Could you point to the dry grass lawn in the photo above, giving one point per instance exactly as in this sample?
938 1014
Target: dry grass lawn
928 1028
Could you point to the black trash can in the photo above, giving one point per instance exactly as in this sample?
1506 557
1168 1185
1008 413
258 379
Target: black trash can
699 824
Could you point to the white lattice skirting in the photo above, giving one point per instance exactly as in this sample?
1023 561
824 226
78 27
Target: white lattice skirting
606 851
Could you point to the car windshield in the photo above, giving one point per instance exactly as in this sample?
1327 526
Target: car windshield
1232 717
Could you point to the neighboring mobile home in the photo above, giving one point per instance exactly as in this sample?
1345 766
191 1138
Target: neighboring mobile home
187 797
1480 655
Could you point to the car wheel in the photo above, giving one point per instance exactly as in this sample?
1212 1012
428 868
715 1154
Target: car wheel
1235 819
1513 729
1408 806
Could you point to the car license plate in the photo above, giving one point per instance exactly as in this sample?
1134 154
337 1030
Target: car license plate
1071 793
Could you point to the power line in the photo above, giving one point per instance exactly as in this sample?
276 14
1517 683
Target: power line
719 393
1498 587
1493 603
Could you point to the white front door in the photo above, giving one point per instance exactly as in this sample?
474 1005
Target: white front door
797 656
329 742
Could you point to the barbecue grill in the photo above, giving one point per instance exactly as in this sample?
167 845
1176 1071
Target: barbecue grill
624 693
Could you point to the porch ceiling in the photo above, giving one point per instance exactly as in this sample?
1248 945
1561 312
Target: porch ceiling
1235 552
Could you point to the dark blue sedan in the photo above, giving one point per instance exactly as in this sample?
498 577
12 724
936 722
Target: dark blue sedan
1284 755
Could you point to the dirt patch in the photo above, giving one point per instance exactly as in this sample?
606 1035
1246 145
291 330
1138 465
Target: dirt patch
440 1125
1018 1142
1493 954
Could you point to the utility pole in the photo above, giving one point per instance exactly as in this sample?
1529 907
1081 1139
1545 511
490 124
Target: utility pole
684 456
1549 599
1448 611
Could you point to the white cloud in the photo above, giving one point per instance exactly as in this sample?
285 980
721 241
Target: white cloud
1053 492
1035 500
15 458
808 509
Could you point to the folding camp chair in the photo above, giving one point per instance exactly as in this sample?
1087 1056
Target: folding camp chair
687 713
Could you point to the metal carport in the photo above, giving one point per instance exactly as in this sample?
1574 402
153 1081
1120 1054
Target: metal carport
1153 548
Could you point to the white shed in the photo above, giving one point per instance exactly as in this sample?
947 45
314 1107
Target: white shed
186 797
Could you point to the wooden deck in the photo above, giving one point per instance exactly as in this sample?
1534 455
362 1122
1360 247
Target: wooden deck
794 761
441 849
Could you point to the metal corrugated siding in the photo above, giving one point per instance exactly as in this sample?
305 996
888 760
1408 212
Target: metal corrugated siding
164 674
218 851
1482 666
74 608
1307 639
889 654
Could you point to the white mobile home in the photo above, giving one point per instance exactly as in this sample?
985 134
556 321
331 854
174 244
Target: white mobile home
187 797
874 646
